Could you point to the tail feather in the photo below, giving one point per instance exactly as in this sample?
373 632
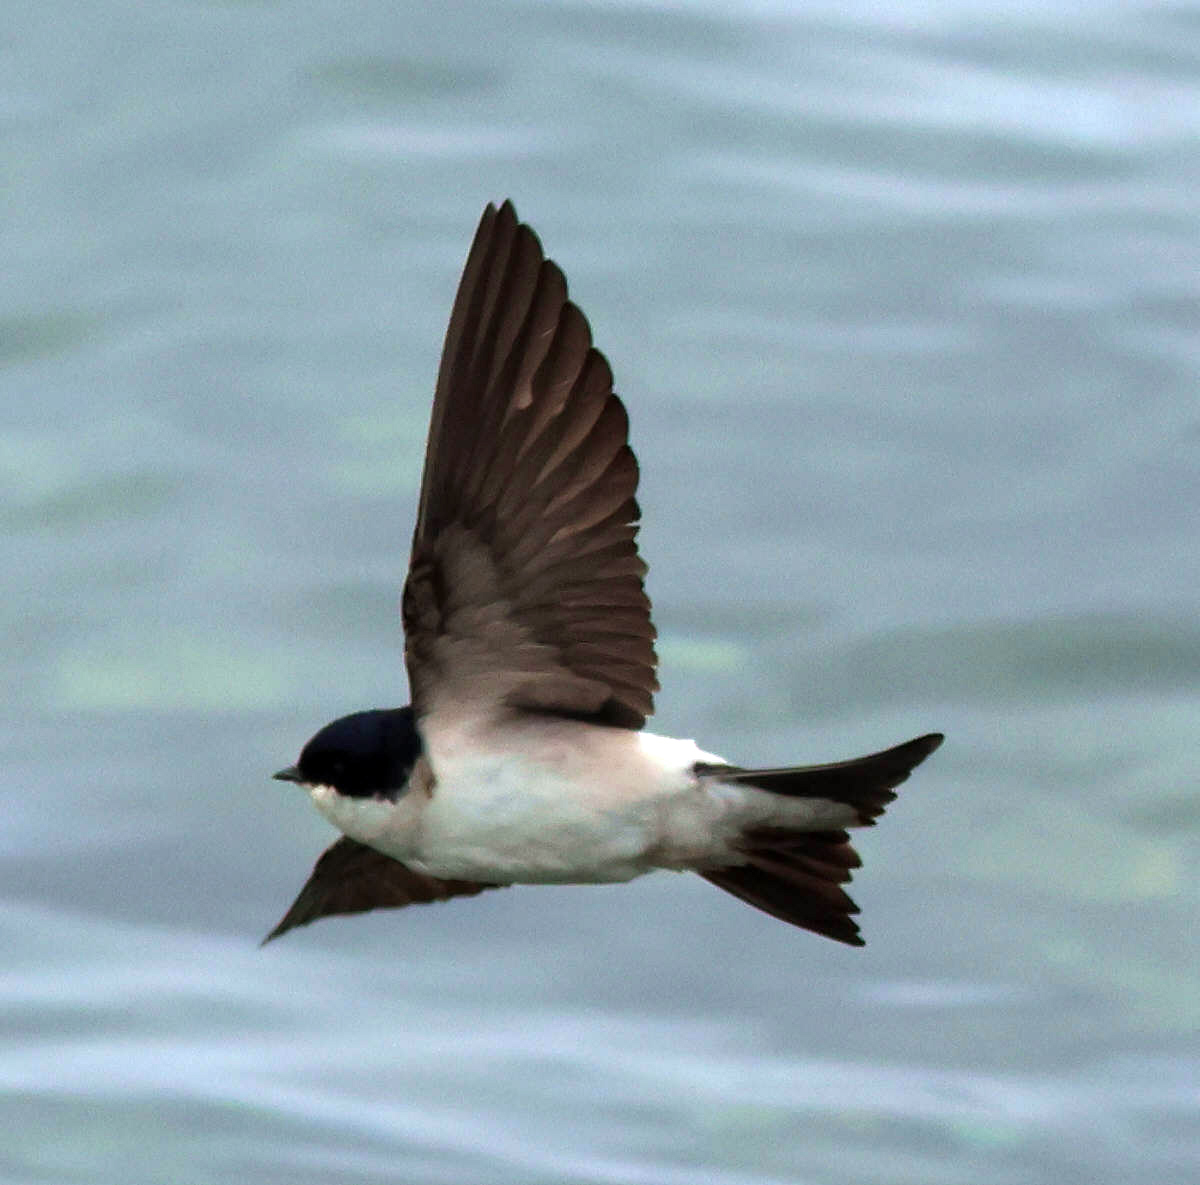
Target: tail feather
796 876
865 783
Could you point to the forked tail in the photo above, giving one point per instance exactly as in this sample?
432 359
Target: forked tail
797 876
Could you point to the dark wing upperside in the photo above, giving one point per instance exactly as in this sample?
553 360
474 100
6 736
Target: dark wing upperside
353 878
525 586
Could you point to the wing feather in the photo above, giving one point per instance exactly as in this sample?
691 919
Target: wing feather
525 589
353 878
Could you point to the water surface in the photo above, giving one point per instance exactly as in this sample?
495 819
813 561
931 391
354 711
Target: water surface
904 310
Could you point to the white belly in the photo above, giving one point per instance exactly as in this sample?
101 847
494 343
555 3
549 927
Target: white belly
533 822
569 803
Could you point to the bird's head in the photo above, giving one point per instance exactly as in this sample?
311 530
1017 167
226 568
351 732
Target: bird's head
364 755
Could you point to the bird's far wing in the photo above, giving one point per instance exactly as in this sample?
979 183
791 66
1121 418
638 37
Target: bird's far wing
525 587
352 878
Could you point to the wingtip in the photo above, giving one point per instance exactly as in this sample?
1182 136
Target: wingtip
271 937
504 212
286 923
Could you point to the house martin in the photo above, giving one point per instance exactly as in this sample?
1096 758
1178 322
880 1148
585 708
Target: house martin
522 758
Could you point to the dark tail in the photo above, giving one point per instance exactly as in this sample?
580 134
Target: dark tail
797 876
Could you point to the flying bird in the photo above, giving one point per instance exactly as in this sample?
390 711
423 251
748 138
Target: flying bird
522 758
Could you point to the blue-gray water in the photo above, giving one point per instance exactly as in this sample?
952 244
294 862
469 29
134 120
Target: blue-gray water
904 305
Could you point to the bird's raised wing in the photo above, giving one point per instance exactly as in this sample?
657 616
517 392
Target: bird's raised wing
352 878
525 587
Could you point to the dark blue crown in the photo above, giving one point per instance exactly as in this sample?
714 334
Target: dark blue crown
365 754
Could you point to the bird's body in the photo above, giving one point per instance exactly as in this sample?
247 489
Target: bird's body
523 759
545 802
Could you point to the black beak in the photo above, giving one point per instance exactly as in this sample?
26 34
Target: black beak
291 774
